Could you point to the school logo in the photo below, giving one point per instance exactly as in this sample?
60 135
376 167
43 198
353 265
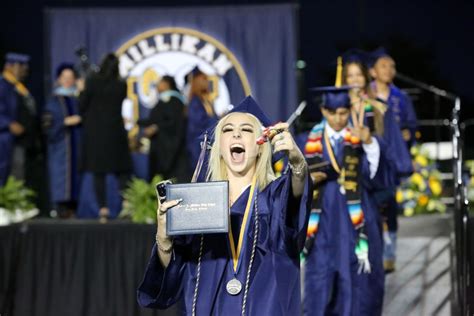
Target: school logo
175 51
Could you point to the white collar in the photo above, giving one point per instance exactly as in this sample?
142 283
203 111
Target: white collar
331 132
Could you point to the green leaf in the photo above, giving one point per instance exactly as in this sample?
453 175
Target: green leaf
140 200
15 195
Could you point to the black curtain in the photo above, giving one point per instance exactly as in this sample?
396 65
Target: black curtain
74 268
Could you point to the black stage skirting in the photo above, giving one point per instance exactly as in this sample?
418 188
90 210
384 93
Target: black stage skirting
73 268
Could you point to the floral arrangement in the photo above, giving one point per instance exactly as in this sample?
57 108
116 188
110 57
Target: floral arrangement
421 192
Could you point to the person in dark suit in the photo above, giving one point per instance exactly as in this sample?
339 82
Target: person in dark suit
105 141
166 129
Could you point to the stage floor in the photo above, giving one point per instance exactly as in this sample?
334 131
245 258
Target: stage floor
83 267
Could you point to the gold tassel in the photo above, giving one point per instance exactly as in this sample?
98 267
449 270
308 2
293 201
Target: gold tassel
338 82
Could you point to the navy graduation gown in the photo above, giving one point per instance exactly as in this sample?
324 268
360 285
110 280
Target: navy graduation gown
396 153
8 113
198 122
403 110
332 284
63 147
274 287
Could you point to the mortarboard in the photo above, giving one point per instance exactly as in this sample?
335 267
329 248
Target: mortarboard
355 55
12 58
376 55
334 97
247 105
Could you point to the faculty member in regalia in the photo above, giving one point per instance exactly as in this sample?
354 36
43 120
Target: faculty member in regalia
62 123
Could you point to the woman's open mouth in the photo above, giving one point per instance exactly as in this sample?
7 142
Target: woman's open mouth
237 153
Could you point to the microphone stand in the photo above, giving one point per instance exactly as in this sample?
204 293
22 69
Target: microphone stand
425 86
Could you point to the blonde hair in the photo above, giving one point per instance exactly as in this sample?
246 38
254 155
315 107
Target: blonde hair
217 170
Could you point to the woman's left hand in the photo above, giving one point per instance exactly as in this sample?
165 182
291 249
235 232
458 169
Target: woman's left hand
283 141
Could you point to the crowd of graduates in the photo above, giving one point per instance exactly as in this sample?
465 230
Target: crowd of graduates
355 157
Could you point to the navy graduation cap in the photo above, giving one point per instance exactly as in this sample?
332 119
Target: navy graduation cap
13 58
334 97
355 55
247 105
376 55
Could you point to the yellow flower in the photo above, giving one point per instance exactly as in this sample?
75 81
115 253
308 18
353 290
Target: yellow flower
421 160
435 187
416 178
399 196
408 212
410 194
414 151
423 200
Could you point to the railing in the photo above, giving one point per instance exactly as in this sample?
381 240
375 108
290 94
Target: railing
460 274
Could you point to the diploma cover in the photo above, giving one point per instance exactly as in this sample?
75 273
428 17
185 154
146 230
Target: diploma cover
204 209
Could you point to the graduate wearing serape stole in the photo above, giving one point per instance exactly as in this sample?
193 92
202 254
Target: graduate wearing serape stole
343 251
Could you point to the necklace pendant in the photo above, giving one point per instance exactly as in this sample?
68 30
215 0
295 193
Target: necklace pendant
234 287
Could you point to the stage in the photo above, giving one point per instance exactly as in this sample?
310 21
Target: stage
73 267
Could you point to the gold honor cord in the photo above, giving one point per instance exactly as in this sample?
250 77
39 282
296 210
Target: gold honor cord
331 155
236 253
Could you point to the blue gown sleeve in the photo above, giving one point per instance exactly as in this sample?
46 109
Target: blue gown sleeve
396 151
55 130
162 287
409 120
5 110
385 176
293 213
